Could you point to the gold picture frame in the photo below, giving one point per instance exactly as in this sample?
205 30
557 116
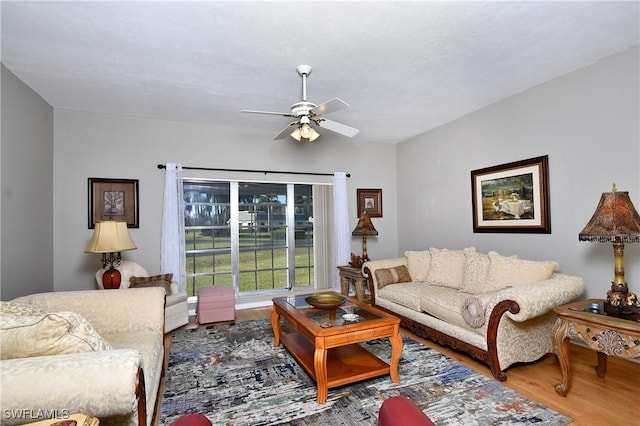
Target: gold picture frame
370 201
512 197
113 199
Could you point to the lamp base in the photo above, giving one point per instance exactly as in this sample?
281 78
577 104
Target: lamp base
111 279
621 303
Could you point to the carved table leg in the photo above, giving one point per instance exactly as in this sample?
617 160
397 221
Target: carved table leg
360 289
601 369
562 348
275 325
320 366
396 352
344 285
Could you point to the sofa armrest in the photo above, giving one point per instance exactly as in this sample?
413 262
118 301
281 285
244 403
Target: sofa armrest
108 310
103 384
538 298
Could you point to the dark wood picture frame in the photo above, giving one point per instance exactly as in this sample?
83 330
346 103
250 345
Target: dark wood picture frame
512 197
370 201
113 199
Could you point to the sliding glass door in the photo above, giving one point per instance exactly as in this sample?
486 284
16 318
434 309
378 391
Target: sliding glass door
254 237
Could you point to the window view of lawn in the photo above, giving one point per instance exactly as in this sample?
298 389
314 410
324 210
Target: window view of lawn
264 261
264 269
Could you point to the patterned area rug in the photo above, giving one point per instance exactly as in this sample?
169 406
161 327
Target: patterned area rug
234 375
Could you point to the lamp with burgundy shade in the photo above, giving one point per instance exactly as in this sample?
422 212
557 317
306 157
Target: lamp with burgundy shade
110 238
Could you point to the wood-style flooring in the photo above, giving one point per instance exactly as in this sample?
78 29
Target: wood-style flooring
611 401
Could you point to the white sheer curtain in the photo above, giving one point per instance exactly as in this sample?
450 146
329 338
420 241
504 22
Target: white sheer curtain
341 232
172 255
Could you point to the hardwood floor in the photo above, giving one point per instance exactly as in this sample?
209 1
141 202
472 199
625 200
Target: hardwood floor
612 401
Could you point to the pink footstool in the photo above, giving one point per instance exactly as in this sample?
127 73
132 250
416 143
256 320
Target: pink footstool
401 411
193 419
215 303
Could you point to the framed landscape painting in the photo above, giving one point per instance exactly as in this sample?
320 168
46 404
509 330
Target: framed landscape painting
512 197
113 199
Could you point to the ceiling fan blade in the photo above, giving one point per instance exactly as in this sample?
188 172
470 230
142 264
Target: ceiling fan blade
285 132
283 114
343 129
330 106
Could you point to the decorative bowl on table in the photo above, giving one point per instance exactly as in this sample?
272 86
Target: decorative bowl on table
325 301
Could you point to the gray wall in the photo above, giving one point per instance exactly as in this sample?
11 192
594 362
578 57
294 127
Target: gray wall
26 217
110 146
587 122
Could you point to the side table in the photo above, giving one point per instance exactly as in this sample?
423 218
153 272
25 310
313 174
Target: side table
348 275
608 335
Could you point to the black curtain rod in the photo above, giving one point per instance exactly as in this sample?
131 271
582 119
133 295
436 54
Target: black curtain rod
162 166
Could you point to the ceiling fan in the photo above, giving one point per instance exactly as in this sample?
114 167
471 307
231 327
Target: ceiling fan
306 113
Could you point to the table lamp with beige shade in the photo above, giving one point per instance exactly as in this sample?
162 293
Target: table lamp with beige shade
110 238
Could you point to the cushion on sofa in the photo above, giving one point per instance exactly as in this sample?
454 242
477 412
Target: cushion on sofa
405 294
399 274
446 304
163 280
509 271
418 263
476 270
447 268
28 331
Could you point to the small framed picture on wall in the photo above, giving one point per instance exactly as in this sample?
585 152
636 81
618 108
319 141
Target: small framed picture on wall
370 201
113 199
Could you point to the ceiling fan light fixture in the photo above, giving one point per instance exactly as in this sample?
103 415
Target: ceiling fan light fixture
305 130
296 134
313 135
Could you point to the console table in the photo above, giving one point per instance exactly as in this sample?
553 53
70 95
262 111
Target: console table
608 335
348 275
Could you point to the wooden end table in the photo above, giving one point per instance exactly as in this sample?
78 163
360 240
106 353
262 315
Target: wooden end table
608 335
348 275
326 345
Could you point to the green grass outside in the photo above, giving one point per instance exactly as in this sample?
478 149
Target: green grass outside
253 276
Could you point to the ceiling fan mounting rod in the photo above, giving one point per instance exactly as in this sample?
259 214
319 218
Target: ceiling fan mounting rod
304 71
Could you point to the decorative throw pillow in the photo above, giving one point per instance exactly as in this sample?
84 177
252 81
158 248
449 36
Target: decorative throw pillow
418 263
509 271
152 281
447 268
474 309
476 269
27 331
399 274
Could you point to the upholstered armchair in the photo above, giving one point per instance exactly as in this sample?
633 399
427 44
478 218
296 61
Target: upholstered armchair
176 308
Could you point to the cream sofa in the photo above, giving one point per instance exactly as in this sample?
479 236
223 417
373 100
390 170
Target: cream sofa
497 309
93 352
176 309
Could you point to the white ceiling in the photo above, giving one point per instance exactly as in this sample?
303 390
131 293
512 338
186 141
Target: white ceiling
405 67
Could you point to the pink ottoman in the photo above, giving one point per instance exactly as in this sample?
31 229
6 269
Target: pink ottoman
215 303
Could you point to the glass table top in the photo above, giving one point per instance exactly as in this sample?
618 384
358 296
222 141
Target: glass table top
344 315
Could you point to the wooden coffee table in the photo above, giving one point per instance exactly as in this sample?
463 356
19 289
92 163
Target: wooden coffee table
326 345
